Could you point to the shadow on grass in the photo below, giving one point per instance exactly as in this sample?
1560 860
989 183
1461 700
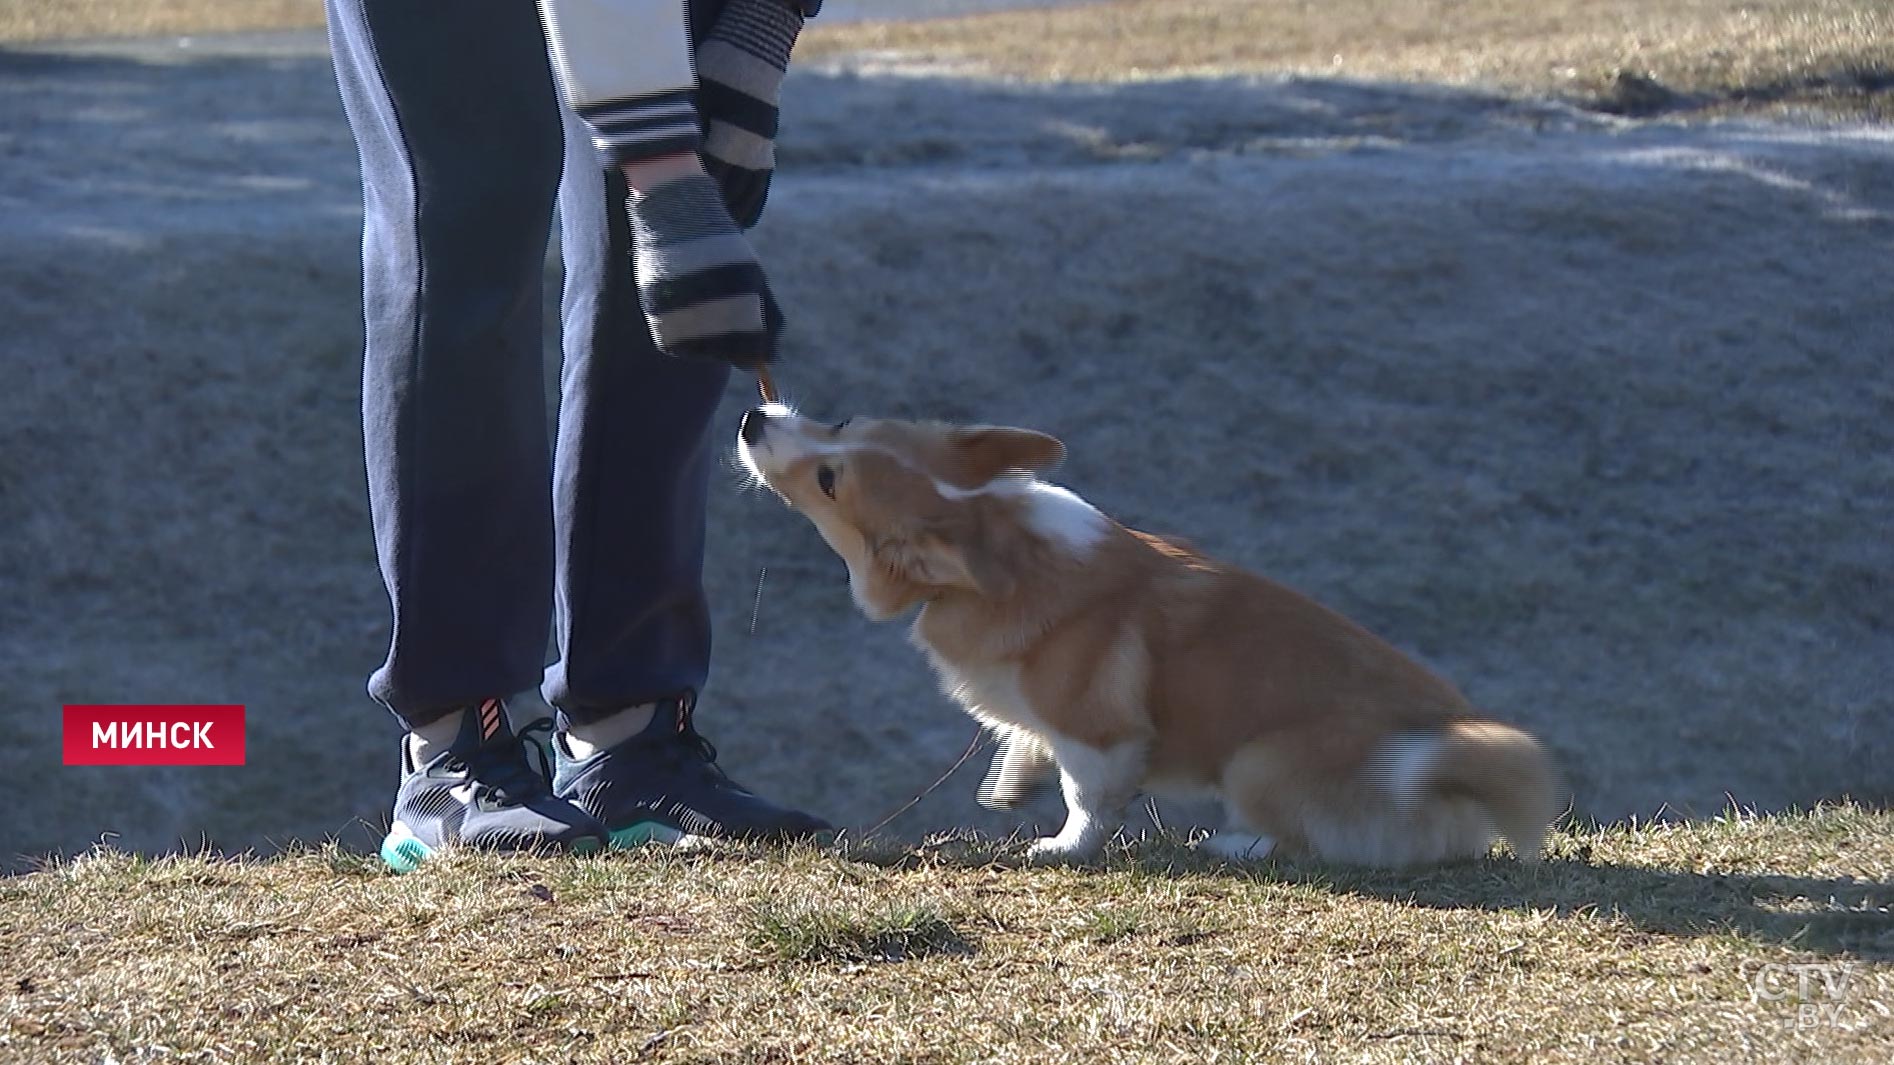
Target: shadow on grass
1816 914
1822 915
838 931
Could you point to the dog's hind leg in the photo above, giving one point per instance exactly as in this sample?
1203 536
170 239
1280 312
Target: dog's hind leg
1261 786
1237 846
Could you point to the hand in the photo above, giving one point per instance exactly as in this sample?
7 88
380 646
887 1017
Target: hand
740 70
702 290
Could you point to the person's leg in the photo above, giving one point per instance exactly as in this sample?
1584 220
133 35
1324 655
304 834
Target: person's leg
632 476
458 129
457 123
631 483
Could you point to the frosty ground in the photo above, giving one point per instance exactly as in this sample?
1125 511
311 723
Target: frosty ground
1595 416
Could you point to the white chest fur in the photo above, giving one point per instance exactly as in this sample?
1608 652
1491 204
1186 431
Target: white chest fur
991 693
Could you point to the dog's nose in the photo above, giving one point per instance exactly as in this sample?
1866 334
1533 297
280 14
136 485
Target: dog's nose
754 420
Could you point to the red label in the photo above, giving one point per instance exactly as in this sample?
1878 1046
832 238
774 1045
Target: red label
154 735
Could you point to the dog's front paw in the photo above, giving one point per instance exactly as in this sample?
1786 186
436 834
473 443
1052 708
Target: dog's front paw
1055 850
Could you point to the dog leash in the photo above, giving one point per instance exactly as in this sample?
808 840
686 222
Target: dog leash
980 739
765 383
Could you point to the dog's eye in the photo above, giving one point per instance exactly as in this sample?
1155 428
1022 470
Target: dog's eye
825 480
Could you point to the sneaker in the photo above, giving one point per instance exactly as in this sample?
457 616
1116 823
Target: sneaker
664 786
487 790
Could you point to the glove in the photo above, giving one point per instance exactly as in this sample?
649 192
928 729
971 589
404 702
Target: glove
740 69
701 288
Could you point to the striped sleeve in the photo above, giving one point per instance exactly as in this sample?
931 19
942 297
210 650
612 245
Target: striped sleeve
625 67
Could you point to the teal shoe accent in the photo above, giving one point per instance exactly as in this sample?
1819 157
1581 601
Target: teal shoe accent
645 832
486 791
402 852
663 785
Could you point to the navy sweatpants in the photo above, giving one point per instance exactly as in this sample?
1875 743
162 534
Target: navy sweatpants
488 538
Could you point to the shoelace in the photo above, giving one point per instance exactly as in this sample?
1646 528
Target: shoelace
688 739
505 771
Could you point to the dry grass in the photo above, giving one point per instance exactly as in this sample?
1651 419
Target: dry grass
1629 944
1608 51
1630 56
45 20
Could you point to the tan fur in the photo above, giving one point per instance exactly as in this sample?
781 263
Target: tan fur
1142 665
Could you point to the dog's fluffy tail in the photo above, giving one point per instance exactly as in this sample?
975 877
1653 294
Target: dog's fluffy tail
1501 769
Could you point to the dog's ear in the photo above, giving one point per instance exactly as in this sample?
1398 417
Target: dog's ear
980 453
957 554
884 587
941 554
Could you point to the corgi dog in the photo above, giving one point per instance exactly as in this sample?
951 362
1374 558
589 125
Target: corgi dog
1134 664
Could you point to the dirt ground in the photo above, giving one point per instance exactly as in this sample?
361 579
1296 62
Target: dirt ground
1596 416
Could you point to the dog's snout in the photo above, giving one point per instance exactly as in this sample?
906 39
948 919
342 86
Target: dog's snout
754 421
